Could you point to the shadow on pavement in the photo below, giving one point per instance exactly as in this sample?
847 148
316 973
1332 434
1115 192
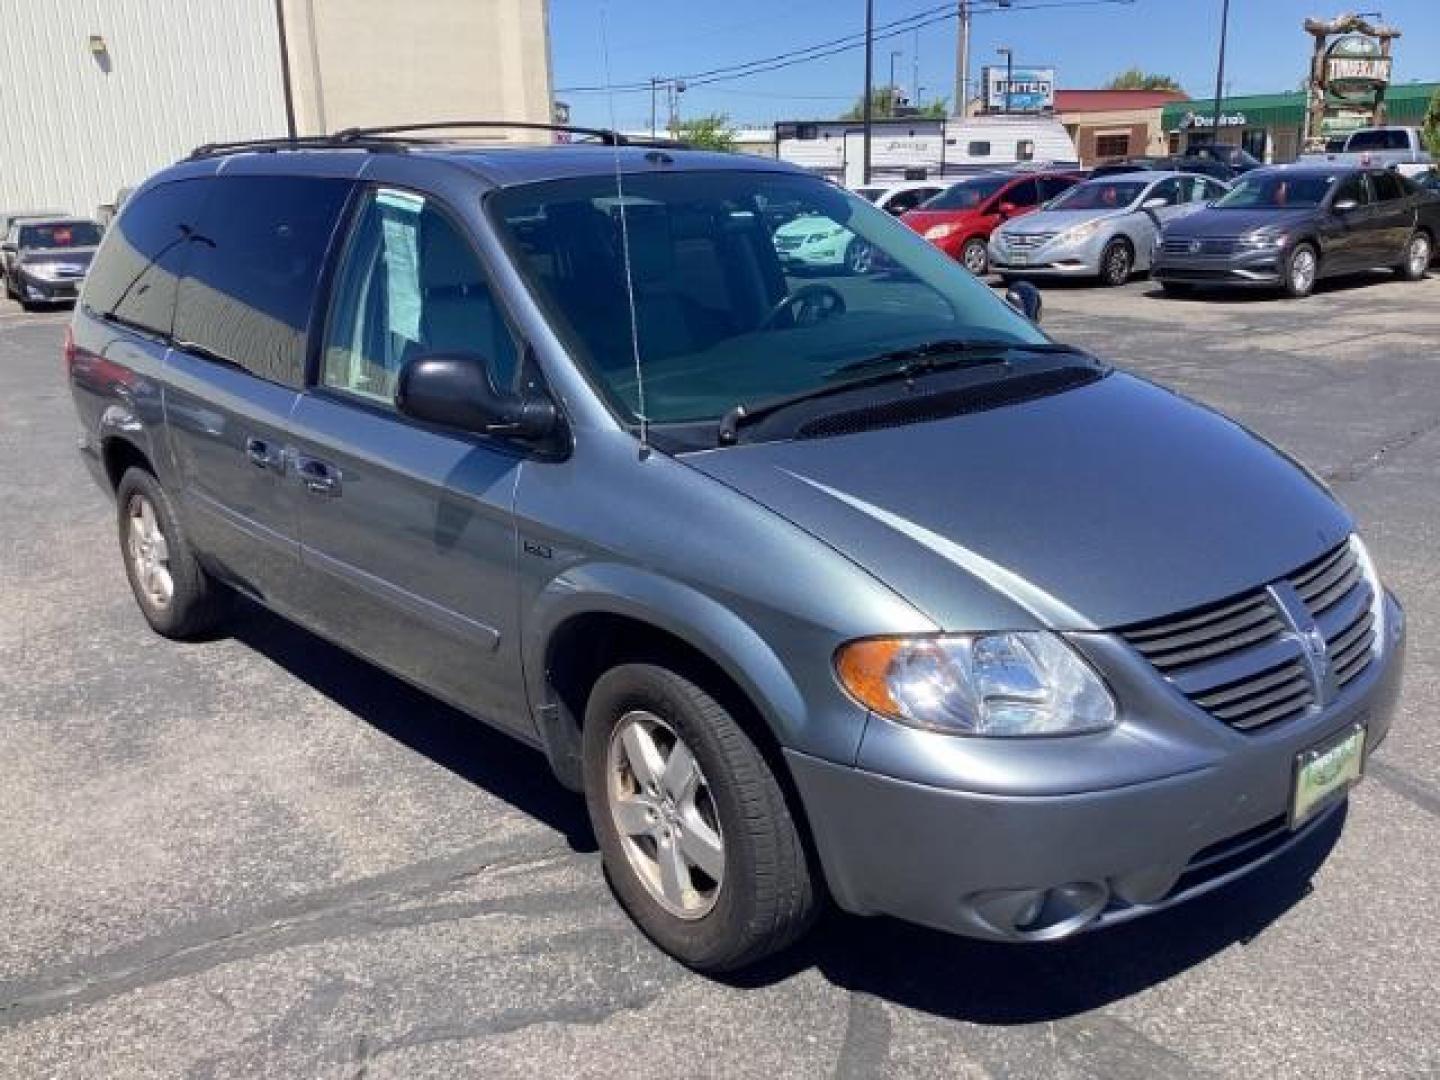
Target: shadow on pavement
470 749
1344 283
989 983
959 978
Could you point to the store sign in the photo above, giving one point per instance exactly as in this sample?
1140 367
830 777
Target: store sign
1027 90
1193 120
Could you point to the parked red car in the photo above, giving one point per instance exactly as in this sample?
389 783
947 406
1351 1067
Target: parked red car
961 218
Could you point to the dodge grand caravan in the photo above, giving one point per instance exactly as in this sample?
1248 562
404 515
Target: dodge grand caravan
817 587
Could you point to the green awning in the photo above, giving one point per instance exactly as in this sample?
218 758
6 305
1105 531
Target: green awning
1405 102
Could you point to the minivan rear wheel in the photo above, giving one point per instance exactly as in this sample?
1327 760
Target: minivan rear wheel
178 598
693 826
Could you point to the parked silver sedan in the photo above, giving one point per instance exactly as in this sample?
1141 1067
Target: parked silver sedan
1103 228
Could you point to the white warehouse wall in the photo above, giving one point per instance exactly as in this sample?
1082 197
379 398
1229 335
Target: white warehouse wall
176 73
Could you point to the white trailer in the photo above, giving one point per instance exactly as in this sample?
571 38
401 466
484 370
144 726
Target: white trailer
922 149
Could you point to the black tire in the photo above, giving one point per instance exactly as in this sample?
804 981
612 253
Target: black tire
1296 281
1416 262
197 602
10 292
1117 263
975 256
766 899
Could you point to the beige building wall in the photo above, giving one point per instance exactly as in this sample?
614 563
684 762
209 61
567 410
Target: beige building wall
1146 133
370 62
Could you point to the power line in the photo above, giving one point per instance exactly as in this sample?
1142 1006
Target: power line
837 46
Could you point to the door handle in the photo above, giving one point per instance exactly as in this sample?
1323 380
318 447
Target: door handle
319 477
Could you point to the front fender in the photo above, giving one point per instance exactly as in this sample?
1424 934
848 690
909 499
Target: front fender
680 610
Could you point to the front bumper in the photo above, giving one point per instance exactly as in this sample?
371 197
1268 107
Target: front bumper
32 287
968 858
1052 259
1250 268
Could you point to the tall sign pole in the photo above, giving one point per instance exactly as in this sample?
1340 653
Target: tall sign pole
1220 71
962 60
869 108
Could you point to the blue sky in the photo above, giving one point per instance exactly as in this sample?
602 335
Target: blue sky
1087 44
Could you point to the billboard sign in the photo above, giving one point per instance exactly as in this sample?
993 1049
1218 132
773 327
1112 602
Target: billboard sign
1031 90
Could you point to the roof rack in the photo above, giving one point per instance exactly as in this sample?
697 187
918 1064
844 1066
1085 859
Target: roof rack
395 138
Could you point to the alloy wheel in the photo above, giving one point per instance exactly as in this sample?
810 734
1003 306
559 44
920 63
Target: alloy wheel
975 258
149 553
1418 255
1302 270
1117 264
663 809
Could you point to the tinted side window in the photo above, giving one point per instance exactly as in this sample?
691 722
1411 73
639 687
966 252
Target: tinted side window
1354 188
1169 190
1050 186
140 260
249 287
410 284
1387 186
1025 193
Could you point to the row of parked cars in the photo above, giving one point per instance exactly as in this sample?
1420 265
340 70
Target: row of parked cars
1280 227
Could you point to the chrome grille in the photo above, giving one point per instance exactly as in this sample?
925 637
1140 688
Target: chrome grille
1027 241
1209 245
1241 659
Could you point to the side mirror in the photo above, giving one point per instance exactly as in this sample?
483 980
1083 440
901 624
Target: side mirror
1344 206
1006 209
1154 204
452 390
1025 298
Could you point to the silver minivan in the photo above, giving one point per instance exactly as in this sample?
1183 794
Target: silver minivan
840 586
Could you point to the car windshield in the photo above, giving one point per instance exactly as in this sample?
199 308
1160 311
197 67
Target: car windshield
966 195
729 307
60 234
1100 195
1276 191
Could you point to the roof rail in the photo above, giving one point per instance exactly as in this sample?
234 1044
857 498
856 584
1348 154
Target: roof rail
394 138
302 142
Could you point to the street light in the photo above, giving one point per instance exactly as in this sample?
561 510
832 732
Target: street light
1009 54
893 54
1220 74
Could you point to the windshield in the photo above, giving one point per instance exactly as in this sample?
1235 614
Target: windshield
1276 191
965 195
731 307
1379 139
60 234
1100 195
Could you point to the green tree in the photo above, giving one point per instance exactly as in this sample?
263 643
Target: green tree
1135 79
1431 126
712 132
883 106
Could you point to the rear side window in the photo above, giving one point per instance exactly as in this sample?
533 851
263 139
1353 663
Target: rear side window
250 284
134 277
1025 193
1387 186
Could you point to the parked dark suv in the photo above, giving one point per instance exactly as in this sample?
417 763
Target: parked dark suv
842 585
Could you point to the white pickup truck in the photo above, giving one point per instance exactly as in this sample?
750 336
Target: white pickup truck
1398 148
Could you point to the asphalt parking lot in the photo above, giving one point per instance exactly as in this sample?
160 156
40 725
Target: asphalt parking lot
259 856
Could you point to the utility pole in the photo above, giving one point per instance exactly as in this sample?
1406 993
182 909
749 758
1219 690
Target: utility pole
1009 54
915 69
653 84
962 60
893 95
869 108
1220 73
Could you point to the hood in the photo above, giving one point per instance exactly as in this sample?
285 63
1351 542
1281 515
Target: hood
805 225
1095 508
920 220
1234 222
1058 220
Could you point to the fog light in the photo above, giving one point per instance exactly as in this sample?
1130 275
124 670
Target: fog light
1040 914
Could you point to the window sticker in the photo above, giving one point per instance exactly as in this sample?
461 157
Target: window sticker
400 225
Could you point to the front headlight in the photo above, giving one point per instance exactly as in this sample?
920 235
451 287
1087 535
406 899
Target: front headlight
1005 684
941 231
1078 233
1263 241
1377 590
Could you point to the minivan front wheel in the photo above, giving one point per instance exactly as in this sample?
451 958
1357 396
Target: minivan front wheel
694 829
175 594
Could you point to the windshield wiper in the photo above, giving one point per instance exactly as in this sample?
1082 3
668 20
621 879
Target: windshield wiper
940 354
897 364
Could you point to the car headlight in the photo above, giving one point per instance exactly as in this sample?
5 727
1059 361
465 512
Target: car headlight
1377 590
1005 684
1078 233
941 231
1261 241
